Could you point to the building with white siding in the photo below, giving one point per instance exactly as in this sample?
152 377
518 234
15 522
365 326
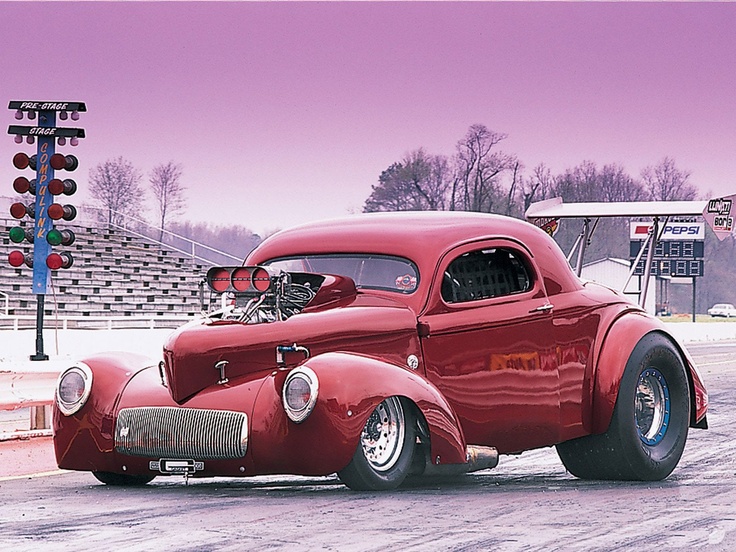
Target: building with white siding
613 273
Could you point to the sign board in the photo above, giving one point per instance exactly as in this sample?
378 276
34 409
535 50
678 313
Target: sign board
671 249
549 225
675 268
718 213
679 253
671 231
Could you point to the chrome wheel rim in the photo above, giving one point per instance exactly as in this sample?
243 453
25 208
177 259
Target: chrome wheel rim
383 435
652 406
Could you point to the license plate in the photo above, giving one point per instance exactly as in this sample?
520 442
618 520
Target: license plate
176 466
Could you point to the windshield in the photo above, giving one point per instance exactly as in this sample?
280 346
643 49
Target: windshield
367 271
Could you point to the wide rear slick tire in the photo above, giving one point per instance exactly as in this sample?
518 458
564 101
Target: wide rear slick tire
650 421
122 480
385 450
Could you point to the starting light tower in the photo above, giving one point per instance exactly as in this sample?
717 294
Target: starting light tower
45 187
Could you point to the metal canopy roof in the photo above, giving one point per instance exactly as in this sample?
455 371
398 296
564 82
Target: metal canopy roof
555 208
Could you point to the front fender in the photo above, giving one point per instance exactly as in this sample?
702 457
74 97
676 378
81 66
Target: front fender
80 439
350 388
623 335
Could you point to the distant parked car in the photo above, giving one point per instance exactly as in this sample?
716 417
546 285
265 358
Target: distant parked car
727 310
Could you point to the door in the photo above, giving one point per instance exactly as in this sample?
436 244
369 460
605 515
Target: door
490 347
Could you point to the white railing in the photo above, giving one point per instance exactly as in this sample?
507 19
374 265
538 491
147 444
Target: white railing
126 226
192 243
18 322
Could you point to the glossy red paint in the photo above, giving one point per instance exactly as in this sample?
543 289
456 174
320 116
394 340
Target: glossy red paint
368 325
351 386
616 347
422 237
528 369
503 385
85 440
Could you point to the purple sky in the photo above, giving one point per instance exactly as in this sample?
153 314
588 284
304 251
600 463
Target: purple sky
282 113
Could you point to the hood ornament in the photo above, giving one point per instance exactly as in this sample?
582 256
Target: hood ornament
221 367
162 373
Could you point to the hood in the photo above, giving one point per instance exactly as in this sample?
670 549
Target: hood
344 321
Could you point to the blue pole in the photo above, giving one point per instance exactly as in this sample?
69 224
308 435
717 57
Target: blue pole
41 248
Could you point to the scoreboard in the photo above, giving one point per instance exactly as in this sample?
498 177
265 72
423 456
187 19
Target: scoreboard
679 253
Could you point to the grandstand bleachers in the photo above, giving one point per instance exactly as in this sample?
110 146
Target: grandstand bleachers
115 273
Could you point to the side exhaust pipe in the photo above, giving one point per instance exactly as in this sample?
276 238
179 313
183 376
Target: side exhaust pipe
478 458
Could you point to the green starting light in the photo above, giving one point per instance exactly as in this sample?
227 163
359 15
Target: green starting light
60 237
18 234
54 237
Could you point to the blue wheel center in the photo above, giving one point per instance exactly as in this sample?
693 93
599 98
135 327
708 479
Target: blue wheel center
652 406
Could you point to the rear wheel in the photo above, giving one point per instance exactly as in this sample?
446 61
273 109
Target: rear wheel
384 455
123 480
650 421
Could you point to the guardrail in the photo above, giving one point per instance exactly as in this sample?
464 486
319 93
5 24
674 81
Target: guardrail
19 322
34 390
25 384
24 389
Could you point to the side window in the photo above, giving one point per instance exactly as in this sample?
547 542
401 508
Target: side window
484 274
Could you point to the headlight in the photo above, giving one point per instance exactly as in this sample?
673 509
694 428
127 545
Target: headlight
73 388
300 393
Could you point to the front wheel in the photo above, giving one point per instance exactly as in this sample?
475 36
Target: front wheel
649 426
122 480
384 455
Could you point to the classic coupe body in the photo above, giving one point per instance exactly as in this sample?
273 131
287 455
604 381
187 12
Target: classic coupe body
383 346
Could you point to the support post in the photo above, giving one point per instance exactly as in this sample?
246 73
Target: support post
585 236
694 280
39 329
648 265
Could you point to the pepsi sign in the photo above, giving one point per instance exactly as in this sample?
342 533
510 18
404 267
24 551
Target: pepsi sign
671 231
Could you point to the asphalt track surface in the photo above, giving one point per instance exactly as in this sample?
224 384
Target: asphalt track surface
529 502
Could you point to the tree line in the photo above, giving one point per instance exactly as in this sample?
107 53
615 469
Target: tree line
480 176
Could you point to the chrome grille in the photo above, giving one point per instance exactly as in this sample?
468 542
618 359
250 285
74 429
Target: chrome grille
160 432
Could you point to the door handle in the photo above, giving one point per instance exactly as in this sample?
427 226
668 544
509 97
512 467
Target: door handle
543 308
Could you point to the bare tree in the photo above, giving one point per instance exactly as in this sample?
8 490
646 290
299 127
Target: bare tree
579 184
428 176
478 170
587 183
614 184
167 191
115 184
512 207
419 182
665 182
538 187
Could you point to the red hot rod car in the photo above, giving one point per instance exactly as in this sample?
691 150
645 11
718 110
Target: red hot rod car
386 345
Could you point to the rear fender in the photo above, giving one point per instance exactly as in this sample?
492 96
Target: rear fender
350 388
620 341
